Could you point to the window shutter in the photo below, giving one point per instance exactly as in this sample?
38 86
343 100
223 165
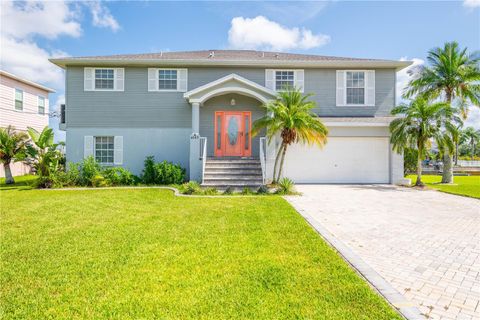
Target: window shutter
270 79
118 150
182 77
370 87
119 79
88 146
88 79
152 79
299 79
341 94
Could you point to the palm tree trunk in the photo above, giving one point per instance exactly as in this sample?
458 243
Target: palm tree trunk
8 173
456 153
279 152
447 175
419 182
473 150
281 163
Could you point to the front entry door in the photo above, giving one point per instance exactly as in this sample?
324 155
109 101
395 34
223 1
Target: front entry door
232 134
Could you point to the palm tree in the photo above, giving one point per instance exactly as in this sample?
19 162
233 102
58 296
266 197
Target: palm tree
290 114
453 74
12 148
420 123
472 137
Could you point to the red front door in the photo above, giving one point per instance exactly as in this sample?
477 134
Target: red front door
232 134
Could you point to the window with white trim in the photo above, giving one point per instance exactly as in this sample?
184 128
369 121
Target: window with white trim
41 105
284 79
355 87
104 79
167 79
104 149
18 100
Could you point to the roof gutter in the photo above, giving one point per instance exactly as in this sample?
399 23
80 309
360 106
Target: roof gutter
398 65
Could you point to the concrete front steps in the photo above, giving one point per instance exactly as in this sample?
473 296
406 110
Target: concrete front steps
238 174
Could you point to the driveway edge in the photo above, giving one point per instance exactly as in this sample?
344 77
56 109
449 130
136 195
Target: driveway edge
406 308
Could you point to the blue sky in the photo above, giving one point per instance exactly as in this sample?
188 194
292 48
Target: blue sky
374 29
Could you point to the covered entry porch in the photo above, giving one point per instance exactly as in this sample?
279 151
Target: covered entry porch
222 115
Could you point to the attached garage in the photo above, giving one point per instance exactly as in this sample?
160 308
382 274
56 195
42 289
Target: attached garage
342 160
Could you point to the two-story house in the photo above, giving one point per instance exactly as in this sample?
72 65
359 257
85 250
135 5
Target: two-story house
23 104
197 107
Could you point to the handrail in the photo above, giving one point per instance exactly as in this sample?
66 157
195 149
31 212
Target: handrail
263 160
203 154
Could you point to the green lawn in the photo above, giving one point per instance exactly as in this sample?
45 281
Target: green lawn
463 185
145 254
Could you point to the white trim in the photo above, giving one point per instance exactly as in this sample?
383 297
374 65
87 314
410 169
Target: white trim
157 83
364 89
222 91
295 77
398 65
227 78
31 83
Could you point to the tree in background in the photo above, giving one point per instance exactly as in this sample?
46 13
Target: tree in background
472 137
13 146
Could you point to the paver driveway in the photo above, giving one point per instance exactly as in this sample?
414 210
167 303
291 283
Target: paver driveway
426 244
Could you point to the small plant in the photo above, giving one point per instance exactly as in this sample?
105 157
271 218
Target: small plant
119 176
210 191
247 191
228 191
286 186
191 187
99 181
262 190
169 173
149 172
89 168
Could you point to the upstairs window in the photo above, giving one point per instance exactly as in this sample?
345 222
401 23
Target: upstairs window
355 87
104 149
104 79
41 105
284 80
18 100
167 79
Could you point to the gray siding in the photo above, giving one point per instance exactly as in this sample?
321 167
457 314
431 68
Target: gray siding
138 108
222 103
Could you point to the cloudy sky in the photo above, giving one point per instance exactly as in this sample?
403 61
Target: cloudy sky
33 31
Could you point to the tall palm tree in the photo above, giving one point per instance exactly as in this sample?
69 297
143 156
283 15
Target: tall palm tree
13 146
420 122
290 114
452 74
472 137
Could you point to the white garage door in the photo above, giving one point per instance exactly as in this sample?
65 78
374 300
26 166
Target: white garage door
342 160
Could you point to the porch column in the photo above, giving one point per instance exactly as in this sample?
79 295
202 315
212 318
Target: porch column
195 163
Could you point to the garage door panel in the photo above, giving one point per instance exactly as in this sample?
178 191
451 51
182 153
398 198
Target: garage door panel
342 160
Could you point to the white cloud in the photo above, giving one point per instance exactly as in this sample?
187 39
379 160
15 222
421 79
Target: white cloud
48 19
471 3
261 33
473 119
403 76
102 16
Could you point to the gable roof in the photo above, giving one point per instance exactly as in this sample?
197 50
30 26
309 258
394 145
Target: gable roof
231 58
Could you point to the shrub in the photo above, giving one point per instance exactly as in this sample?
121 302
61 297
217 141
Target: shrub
89 168
191 187
227 191
169 173
149 172
210 191
409 160
119 176
262 190
286 186
246 191
99 181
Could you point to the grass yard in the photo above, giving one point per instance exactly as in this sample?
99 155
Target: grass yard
145 254
463 185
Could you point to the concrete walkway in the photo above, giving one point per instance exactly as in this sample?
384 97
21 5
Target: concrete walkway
424 244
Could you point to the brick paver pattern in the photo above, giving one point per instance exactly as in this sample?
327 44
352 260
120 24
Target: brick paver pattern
425 243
